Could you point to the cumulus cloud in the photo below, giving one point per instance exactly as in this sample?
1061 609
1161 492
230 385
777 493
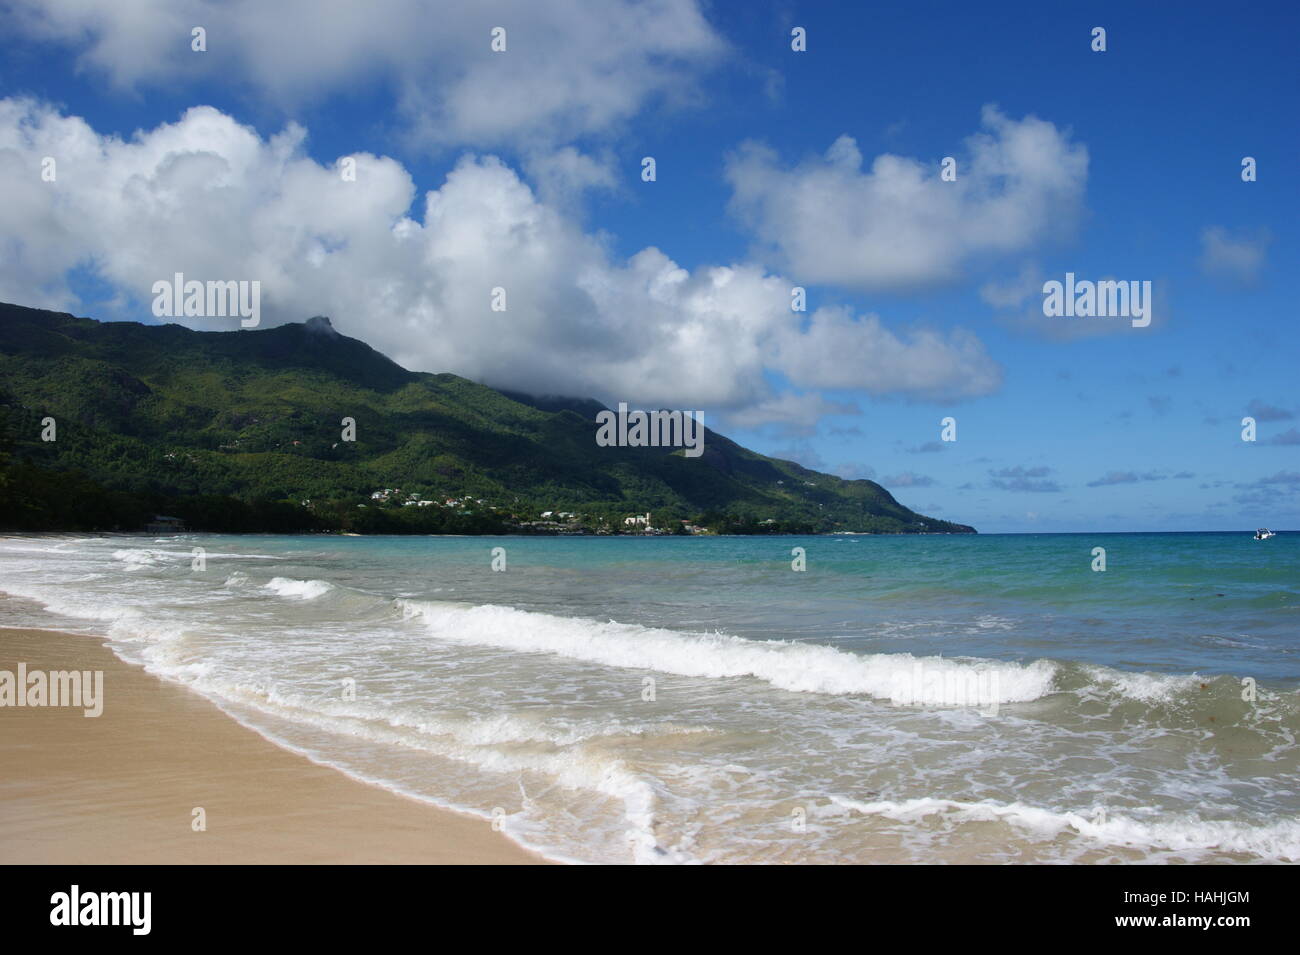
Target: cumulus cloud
790 413
841 350
563 176
897 224
1014 292
413 275
567 71
1237 258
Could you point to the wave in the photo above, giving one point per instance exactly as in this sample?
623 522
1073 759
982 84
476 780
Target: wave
138 557
1147 687
796 667
899 678
902 679
510 744
151 556
1186 832
300 589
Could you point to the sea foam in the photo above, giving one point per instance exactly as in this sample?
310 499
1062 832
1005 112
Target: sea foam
797 667
300 589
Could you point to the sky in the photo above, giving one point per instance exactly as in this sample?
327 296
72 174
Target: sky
774 168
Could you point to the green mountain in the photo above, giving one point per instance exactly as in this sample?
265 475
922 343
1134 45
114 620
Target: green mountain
235 430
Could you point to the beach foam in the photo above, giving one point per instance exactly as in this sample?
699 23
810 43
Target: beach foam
797 667
300 589
1278 841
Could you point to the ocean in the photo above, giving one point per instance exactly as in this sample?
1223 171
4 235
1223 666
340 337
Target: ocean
928 699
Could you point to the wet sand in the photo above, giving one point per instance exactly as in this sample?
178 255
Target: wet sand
121 788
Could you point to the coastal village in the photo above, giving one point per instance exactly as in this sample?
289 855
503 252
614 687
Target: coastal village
546 522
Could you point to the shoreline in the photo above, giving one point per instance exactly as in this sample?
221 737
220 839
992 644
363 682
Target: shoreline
121 788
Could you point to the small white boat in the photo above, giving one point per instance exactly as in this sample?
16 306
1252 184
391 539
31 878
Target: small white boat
1264 534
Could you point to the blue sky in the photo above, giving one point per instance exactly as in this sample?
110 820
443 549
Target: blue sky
1132 171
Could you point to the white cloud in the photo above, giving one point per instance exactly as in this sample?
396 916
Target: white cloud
790 413
569 68
840 350
1238 258
563 176
413 275
1015 291
897 225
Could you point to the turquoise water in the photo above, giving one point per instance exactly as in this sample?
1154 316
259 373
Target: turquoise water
1175 603
930 699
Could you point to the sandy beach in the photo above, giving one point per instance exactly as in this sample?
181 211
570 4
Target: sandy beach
121 788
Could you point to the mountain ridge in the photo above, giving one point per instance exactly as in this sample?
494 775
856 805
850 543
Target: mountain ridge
173 415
